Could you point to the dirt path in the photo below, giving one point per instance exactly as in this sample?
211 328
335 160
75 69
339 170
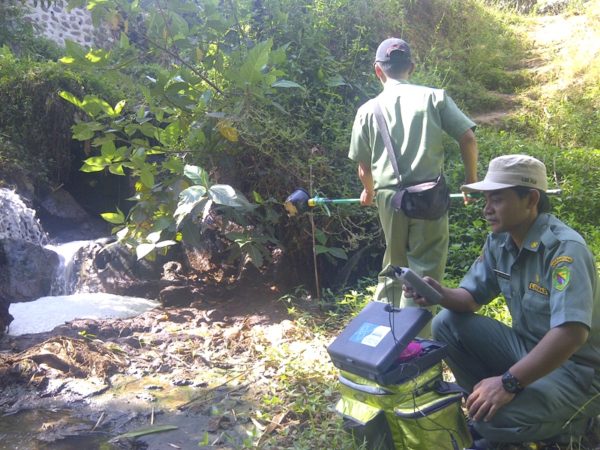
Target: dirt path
553 61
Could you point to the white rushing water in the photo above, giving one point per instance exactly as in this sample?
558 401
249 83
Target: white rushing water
46 313
67 272
19 222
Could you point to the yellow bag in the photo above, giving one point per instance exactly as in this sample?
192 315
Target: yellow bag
422 413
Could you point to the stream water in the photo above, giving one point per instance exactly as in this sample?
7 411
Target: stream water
162 373
19 222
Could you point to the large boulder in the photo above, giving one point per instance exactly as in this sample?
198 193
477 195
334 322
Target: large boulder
27 270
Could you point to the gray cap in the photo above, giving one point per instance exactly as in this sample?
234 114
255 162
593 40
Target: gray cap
392 47
510 171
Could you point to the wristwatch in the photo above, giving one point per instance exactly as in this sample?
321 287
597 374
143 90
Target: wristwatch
511 383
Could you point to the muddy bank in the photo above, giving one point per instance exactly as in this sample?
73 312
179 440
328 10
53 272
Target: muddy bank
199 371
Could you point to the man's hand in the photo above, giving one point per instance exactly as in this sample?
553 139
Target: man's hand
366 197
468 198
366 178
487 398
409 292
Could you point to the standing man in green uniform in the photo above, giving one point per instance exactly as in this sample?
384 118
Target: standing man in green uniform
417 117
540 378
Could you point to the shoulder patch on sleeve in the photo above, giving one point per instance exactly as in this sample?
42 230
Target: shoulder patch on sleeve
556 261
560 278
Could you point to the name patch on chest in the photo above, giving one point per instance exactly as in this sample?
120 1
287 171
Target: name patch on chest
501 274
539 289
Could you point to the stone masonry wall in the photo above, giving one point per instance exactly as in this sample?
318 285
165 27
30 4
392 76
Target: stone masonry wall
57 23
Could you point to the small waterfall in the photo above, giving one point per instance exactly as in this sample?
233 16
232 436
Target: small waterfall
67 273
17 221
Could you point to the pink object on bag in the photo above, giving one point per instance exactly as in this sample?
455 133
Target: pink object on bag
412 349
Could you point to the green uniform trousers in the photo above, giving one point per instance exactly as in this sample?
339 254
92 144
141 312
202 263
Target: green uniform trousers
557 406
421 245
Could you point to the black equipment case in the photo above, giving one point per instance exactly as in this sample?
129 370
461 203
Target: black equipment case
371 344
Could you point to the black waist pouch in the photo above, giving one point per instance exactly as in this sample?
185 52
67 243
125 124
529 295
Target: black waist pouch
429 200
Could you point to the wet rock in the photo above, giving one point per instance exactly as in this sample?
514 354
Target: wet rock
60 429
26 270
173 271
61 205
112 268
84 388
5 317
177 295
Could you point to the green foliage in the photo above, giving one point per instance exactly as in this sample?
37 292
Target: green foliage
35 118
262 95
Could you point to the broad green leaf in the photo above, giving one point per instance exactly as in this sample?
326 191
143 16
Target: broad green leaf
170 135
205 440
173 165
320 249
338 253
287 84
149 130
94 164
257 58
94 105
124 41
162 223
154 237
108 149
162 244
83 131
255 255
197 174
96 55
89 168
227 131
70 98
257 198
188 199
114 217
147 177
97 161
223 194
131 128
75 50
320 237
142 250
205 209
122 234
119 106
116 169
336 80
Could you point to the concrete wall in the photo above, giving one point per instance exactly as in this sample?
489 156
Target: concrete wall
57 23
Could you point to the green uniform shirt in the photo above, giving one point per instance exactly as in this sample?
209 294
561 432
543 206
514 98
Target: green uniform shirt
550 282
415 116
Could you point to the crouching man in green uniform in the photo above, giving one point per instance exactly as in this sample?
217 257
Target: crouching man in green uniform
539 379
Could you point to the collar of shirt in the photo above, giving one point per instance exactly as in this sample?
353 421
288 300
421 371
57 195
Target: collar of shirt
532 239
390 83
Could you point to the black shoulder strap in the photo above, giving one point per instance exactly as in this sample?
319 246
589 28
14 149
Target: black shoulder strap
385 134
